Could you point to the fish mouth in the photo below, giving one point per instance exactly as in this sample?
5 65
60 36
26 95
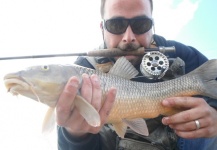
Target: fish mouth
15 83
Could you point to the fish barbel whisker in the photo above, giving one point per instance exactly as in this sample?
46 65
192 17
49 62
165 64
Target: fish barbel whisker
36 95
14 84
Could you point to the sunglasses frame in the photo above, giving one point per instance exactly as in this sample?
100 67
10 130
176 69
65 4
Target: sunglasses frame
130 22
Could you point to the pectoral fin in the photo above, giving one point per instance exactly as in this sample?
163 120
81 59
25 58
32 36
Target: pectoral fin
137 125
87 111
49 121
120 129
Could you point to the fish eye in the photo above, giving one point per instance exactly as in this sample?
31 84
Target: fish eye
45 67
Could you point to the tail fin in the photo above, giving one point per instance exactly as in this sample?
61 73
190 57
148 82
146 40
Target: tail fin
208 75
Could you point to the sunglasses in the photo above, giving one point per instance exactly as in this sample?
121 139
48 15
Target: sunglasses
139 25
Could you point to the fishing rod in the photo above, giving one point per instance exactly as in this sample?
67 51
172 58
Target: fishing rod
114 52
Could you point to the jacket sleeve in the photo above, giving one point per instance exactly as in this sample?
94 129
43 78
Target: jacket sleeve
67 142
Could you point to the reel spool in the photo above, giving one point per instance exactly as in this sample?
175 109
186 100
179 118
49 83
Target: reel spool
154 65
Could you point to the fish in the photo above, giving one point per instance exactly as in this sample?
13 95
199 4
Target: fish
134 101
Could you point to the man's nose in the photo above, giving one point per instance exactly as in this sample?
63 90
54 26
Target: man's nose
129 36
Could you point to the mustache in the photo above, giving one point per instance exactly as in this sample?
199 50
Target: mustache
129 47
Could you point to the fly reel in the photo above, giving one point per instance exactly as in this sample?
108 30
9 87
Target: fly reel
154 65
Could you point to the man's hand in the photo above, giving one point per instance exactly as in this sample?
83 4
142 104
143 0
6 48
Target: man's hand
69 117
184 122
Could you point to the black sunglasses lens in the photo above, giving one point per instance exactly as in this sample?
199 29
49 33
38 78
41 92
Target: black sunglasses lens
116 26
140 26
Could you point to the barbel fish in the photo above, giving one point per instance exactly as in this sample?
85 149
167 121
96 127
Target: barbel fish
134 100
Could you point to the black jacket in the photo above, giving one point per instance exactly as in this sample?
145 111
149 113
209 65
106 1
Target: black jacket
106 139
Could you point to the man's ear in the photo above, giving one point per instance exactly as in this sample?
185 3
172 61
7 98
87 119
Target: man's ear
102 29
153 26
101 25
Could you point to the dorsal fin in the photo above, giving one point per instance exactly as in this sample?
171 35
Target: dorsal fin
123 68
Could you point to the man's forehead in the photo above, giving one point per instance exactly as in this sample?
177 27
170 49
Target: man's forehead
127 8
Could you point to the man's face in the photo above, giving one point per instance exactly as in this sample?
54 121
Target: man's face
128 40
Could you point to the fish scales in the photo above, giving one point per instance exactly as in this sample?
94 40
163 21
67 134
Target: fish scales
144 97
144 100
139 100
134 100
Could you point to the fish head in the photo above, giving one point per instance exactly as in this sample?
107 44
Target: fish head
42 83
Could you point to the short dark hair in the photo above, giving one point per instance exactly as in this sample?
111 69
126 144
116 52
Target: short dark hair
103 7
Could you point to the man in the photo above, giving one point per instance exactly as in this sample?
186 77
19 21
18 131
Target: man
199 119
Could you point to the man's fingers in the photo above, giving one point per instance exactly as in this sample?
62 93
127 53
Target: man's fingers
97 93
86 89
204 132
107 106
65 102
181 117
190 126
180 102
189 105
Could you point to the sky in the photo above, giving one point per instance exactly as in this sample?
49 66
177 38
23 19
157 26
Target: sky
29 27
191 22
